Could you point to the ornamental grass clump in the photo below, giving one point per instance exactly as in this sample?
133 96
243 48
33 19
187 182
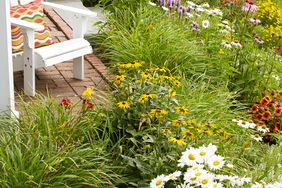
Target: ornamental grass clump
201 168
52 145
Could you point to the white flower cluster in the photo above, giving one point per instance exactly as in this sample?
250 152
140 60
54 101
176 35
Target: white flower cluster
204 8
226 27
253 126
200 162
264 185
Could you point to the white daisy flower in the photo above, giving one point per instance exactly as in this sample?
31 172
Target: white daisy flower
215 162
173 176
262 129
237 181
236 44
158 182
192 176
206 181
190 157
256 137
243 124
216 185
252 125
226 44
189 177
205 24
197 167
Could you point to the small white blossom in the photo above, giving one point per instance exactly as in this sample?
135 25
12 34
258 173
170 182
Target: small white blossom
151 3
205 24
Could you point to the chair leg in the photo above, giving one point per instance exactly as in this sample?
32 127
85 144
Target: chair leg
78 68
29 80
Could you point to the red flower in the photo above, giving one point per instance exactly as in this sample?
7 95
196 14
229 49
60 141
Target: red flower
65 102
266 115
255 109
259 116
277 111
88 104
265 101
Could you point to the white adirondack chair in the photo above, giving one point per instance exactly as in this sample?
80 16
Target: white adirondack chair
32 58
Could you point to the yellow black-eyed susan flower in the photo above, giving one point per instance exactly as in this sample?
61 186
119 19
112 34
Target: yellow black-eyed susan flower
177 123
177 140
123 105
187 133
157 113
177 83
145 97
166 131
119 79
181 110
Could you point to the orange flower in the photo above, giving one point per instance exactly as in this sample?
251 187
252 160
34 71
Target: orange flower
266 115
259 116
277 111
255 109
265 101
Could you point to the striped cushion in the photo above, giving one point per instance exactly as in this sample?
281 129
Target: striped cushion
31 12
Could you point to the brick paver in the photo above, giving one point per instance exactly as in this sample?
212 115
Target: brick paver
58 80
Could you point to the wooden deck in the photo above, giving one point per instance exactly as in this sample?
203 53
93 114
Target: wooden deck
57 80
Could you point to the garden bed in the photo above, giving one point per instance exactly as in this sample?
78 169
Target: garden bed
195 102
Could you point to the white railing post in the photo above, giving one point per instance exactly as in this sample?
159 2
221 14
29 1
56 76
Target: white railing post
7 98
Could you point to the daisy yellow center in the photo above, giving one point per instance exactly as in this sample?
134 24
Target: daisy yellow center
159 182
198 173
202 153
205 181
191 157
193 179
216 163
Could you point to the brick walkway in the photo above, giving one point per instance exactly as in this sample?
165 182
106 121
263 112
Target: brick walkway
57 80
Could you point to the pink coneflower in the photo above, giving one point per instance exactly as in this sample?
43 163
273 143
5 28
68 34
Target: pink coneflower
255 21
249 7
258 40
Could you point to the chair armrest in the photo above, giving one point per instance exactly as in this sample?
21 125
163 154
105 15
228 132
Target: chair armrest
26 25
28 29
70 9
